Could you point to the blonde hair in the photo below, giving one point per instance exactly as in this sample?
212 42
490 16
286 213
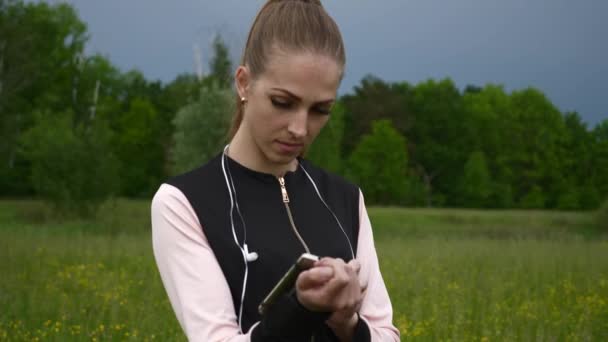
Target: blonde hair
291 26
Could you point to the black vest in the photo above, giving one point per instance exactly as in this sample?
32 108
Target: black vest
268 230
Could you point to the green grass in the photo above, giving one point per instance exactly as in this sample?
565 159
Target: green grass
458 275
516 290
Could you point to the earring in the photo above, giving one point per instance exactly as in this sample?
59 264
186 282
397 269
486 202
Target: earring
243 100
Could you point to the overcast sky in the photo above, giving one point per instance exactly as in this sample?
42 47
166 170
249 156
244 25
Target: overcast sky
558 46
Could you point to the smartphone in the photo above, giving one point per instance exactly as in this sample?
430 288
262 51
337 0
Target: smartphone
288 281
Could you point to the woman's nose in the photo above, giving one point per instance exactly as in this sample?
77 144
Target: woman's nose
299 124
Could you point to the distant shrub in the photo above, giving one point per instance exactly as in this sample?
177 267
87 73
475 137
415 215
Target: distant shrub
326 149
590 197
476 186
534 199
379 165
71 166
137 145
200 128
601 217
568 200
502 196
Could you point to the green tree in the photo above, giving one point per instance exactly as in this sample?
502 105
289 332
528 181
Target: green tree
220 64
502 196
72 167
183 90
326 151
601 217
476 184
379 165
489 126
139 149
134 85
534 199
576 163
438 147
568 199
535 148
600 159
39 49
589 197
200 128
373 100
39 45
96 89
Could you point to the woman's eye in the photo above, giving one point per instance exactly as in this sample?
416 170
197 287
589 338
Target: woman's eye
323 111
283 104
280 104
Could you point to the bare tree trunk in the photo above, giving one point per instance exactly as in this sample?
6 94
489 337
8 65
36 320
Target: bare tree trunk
11 159
79 61
1 68
95 97
429 190
12 149
427 178
198 61
2 46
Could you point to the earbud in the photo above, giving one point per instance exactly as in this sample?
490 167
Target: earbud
250 257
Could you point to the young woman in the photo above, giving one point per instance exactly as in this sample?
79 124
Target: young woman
225 233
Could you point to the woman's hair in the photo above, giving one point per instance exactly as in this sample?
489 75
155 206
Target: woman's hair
288 26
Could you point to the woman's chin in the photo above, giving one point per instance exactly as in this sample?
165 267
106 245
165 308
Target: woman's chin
278 158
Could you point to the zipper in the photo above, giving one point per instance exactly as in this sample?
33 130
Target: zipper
293 224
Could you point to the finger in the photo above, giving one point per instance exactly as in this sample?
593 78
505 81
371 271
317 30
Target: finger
341 278
360 301
363 283
344 276
314 277
321 273
323 261
338 265
327 261
355 264
349 271
363 287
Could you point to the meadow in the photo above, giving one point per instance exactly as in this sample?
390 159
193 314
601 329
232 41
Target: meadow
453 275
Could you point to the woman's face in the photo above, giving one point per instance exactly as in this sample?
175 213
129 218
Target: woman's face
288 104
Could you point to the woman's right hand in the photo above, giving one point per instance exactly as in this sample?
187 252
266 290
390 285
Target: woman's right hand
330 286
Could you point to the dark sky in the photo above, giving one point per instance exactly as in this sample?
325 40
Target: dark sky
558 46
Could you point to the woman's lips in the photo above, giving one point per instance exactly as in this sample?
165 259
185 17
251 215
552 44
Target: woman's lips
289 148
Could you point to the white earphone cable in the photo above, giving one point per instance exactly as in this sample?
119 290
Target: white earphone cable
236 240
238 209
352 252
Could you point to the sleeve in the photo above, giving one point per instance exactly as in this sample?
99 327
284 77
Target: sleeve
376 310
191 275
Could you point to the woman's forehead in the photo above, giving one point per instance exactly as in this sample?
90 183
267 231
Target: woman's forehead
307 75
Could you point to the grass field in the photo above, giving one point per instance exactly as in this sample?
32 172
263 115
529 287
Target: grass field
453 275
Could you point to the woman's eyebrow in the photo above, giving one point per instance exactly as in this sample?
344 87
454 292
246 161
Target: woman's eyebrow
329 101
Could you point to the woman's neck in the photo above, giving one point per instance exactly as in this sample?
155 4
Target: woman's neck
243 150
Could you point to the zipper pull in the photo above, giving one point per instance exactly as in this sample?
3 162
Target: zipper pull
283 190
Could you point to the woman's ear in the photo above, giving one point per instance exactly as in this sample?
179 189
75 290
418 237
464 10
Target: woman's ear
242 79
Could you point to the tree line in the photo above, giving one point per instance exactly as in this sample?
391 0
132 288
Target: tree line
76 130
